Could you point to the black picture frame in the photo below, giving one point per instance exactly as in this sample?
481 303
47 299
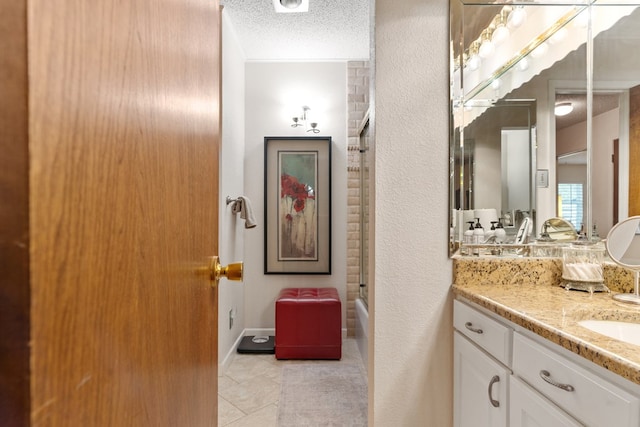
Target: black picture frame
297 205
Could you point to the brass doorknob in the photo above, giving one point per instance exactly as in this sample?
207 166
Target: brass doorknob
216 271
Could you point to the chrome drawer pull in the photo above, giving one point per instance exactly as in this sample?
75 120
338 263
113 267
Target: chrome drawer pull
495 379
470 327
545 375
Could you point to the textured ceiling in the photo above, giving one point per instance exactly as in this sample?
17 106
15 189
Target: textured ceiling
331 30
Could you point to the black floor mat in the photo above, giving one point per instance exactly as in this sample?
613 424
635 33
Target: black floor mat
261 344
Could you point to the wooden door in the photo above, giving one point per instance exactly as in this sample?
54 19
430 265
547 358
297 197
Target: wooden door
123 106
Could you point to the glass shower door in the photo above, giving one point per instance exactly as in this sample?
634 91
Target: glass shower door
364 209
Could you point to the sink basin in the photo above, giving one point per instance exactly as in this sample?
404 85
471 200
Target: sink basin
622 331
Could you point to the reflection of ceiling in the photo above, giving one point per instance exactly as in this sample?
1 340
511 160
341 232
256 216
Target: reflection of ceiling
332 29
579 158
612 55
601 104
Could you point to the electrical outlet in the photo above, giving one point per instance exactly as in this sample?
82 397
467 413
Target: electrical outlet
230 318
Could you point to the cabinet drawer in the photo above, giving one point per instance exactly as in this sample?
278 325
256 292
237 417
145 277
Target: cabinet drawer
491 335
587 397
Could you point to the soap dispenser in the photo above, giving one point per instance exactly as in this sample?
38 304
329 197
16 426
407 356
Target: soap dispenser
468 234
500 233
492 231
478 232
467 239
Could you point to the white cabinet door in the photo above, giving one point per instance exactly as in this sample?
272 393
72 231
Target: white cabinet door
529 409
481 386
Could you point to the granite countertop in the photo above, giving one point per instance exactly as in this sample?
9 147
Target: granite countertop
553 313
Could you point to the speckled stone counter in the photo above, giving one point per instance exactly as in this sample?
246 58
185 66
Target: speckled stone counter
527 292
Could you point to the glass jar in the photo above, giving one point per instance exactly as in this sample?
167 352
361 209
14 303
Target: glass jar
582 267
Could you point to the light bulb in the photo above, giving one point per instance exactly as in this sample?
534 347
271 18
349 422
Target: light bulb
496 84
582 20
523 64
539 51
558 36
486 49
474 62
500 34
517 17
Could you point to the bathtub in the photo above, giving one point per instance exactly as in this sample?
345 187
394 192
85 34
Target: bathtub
362 330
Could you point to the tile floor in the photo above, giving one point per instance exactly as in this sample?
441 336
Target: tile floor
249 391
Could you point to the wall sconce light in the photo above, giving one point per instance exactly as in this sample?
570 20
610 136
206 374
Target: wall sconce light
302 121
563 108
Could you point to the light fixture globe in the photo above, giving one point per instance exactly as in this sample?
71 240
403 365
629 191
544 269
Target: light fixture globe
474 62
486 49
501 31
517 17
500 34
563 108
291 4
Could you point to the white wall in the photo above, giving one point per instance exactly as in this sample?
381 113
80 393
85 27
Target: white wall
275 91
411 319
231 227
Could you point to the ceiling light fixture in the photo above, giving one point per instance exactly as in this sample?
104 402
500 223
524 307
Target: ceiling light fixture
563 108
291 6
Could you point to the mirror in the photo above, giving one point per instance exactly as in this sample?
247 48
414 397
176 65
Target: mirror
557 230
540 63
623 247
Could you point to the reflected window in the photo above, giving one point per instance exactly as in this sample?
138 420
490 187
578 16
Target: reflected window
570 203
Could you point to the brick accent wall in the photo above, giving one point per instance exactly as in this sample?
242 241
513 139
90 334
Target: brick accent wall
358 104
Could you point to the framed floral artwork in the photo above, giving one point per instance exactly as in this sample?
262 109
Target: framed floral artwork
297 205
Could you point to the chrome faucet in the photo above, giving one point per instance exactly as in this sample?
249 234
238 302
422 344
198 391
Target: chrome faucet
491 239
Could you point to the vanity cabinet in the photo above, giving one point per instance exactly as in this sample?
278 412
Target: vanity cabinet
482 350
504 377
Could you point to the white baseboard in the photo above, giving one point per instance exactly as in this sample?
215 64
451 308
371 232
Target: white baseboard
224 364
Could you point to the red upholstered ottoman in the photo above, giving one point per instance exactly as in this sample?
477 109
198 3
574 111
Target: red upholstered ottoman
308 324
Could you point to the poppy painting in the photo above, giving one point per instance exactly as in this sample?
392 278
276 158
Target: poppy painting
298 205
